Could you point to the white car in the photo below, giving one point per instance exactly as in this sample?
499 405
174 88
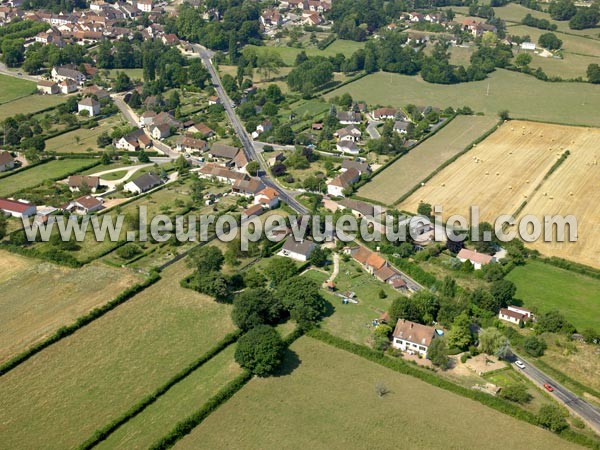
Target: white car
519 364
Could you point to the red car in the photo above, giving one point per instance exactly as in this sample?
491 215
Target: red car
548 387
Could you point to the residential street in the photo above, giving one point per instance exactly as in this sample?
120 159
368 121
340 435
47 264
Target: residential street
6 71
248 147
583 409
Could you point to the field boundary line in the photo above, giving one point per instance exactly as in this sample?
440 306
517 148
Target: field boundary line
429 377
104 432
186 426
447 163
81 322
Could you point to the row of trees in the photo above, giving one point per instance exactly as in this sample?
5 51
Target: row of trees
579 18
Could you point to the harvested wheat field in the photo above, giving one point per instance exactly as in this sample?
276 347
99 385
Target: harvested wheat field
38 297
504 171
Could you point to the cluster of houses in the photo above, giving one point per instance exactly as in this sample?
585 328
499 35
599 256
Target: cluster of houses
377 266
476 28
350 173
103 20
294 13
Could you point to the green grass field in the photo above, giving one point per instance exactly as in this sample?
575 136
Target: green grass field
522 95
61 296
288 54
178 403
410 169
30 104
62 395
12 88
134 74
34 176
329 401
547 287
83 139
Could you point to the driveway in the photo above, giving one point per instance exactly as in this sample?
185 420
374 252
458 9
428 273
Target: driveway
372 129
130 171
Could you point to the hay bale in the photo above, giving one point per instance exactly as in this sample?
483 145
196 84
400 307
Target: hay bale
497 173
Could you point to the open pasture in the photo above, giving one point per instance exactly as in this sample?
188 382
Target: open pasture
30 104
12 88
62 395
61 296
522 95
504 171
420 161
329 401
83 139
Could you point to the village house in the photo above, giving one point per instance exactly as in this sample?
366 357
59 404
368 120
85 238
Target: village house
67 86
147 118
188 144
90 105
144 5
63 73
268 197
362 167
263 127
384 113
477 259
143 183
516 315
160 131
134 141
248 187
348 133
78 182
412 337
349 117
359 208
95 91
298 250
347 147
18 209
48 87
7 162
213 171
339 184
202 129
271 18
401 126
252 211
240 162
214 100
223 152
85 205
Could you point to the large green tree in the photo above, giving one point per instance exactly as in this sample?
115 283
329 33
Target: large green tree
256 306
301 297
260 350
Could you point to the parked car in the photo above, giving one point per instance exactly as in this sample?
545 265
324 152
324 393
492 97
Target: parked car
519 364
548 387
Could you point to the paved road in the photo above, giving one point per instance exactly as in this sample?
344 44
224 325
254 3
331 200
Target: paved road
6 71
583 409
372 129
247 145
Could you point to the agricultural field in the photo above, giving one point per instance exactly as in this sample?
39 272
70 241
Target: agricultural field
30 104
422 160
512 163
325 398
61 296
12 88
83 139
288 54
522 95
32 177
549 288
181 401
66 392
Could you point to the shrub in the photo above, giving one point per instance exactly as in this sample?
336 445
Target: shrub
128 251
552 417
516 393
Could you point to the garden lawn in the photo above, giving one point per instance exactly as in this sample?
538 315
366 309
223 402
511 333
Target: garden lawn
353 322
522 95
548 288
83 139
55 169
62 395
288 54
178 403
325 398
12 88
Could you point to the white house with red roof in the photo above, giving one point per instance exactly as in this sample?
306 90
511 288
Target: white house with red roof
17 208
477 259
267 197
516 315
